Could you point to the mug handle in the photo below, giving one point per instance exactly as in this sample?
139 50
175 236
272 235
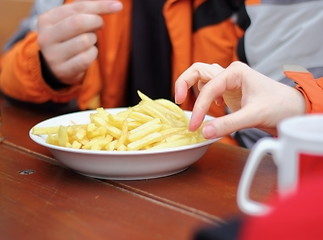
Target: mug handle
262 147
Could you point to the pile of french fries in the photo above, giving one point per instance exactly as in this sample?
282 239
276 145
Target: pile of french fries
151 124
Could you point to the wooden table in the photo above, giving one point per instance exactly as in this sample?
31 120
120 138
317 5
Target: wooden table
41 200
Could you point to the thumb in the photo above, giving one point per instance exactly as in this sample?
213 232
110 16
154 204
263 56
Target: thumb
230 123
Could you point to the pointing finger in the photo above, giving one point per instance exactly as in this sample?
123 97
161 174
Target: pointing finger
87 7
197 73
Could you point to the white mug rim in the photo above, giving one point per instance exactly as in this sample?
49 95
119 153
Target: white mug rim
287 127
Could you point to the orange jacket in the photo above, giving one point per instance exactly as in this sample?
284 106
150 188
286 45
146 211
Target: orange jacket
311 88
104 83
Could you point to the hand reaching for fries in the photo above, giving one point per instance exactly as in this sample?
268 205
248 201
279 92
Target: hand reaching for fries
254 99
151 124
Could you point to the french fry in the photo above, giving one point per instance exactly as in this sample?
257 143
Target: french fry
140 117
43 131
147 140
124 136
145 129
62 136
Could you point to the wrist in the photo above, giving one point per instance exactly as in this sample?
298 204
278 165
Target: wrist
49 76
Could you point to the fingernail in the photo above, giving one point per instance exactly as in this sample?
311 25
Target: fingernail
116 6
176 101
208 131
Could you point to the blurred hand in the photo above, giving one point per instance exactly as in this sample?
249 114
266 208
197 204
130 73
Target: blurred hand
254 99
67 38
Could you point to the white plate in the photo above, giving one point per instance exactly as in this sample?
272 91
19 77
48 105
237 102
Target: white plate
120 165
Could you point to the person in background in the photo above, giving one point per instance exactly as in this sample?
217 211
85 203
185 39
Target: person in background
257 101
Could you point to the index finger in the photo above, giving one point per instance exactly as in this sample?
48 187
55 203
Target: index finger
90 7
212 90
198 72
